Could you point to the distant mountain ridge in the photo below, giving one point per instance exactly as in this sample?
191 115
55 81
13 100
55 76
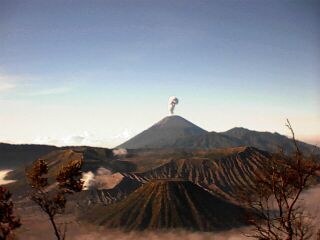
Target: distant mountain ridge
221 171
173 132
177 132
208 184
174 175
267 140
13 155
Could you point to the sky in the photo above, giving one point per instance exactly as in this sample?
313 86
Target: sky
98 72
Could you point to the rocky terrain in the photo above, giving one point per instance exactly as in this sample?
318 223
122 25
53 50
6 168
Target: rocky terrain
174 175
169 204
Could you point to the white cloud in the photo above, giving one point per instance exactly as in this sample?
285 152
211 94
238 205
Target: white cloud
30 85
50 91
86 139
7 82
4 86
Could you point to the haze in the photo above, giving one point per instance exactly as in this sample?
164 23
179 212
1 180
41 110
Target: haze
98 72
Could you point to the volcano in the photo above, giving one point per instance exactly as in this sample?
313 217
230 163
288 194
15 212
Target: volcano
169 204
175 132
164 133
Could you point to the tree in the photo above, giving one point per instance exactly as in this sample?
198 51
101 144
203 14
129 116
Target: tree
51 198
8 222
273 199
318 235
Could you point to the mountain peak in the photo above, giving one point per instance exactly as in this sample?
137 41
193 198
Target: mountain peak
164 133
169 204
240 129
175 121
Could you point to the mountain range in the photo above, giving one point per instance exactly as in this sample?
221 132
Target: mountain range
172 175
14 155
173 132
177 132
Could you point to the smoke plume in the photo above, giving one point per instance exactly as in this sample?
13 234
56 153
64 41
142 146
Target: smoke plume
88 179
121 152
103 179
173 101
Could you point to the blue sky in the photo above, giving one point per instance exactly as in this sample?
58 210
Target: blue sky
100 71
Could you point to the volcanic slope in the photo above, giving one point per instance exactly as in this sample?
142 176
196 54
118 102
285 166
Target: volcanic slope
164 133
93 159
168 204
237 137
223 171
178 133
12 155
268 141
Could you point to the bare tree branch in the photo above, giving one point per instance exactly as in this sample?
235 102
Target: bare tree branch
273 198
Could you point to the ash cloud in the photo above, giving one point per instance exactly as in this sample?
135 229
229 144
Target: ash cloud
173 101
